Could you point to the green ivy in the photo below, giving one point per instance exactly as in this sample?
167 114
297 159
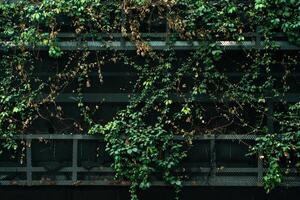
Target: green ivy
169 86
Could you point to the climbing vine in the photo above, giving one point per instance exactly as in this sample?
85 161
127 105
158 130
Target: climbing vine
172 88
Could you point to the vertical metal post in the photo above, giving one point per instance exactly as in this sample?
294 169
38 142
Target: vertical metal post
258 38
213 156
270 125
74 160
167 36
260 168
28 162
122 39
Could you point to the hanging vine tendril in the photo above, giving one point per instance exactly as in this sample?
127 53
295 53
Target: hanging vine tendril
170 84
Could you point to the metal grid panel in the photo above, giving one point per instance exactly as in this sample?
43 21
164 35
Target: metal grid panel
199 176
157 41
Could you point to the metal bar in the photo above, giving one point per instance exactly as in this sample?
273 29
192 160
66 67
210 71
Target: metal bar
152 35
230 137
178 45
133 74
220 171
290 97
13 169
242 181
74 160
125 98
64 169
101 169
104 97
28 162
117 35
155 45
213 163
258 38
122 39
100 137
260 170
219 137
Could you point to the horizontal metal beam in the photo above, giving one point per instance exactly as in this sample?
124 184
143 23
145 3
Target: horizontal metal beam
125 97
245 181
101 169
147 35
134 74
64 169
100 137
155 45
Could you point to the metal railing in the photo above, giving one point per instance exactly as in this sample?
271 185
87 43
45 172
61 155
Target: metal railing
212 175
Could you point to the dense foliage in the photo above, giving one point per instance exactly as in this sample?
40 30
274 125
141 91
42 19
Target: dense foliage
170 86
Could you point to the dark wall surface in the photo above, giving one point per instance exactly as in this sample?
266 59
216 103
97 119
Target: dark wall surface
155 193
